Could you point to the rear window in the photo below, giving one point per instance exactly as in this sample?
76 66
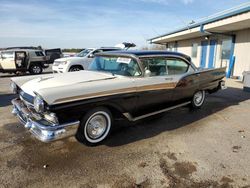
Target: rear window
114 49
39 53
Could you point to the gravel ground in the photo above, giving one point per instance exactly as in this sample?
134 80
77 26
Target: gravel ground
204 148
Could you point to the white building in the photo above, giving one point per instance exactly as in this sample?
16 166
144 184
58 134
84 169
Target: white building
219 40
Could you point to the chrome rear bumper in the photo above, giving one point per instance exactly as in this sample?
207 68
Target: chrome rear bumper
42 129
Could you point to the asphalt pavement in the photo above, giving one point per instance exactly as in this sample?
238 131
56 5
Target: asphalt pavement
203 148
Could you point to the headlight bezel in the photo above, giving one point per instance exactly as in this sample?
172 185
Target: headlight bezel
13 87
39 104
64 62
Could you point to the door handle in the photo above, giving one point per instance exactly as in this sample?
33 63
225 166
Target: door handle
169 79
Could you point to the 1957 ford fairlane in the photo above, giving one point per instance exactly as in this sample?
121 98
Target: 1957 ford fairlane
121 84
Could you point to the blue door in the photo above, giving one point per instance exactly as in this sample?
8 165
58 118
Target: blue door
212 53
203 53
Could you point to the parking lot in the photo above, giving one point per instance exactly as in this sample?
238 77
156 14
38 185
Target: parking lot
204 148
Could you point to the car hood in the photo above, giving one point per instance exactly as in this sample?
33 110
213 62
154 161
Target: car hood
39 83
70 59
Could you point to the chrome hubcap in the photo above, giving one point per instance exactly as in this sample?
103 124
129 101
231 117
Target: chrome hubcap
96 126
198 97
36 69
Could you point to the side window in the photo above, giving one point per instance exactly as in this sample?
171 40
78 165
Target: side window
176 66
7 55
39 53
156 66
96 51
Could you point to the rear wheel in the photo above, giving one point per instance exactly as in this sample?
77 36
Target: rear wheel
198 99
95 126
75 68
35 69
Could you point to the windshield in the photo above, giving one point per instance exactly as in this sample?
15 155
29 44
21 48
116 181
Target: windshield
84 53
116 65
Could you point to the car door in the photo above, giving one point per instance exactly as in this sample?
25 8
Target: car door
21 60
155 89
8 60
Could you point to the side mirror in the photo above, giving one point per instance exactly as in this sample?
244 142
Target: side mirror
91 56
147 73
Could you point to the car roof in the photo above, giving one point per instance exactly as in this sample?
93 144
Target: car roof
112 48
143 53
18 49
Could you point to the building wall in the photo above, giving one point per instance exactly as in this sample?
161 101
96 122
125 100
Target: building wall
242 52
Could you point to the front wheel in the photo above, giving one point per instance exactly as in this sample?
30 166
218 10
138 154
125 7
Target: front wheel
75 68
36 69
198 99
95 126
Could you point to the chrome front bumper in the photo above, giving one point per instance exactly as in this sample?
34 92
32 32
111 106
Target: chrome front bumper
42 129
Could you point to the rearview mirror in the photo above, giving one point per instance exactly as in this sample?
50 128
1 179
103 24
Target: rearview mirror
91 56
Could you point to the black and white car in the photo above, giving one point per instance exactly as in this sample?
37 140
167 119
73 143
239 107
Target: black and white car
122 84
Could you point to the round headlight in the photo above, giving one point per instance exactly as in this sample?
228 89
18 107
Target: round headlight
39 104
13 87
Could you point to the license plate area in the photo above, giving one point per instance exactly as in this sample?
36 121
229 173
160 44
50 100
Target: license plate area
223 85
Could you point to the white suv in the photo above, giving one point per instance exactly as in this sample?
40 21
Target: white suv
79 62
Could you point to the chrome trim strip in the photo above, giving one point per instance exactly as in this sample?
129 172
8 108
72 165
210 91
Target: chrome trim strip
42 129
131 118
161 86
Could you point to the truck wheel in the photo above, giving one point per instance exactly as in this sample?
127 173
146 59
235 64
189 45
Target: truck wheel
95 126
198 99
36 69
75 68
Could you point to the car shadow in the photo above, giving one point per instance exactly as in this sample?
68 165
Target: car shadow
127 132
5 99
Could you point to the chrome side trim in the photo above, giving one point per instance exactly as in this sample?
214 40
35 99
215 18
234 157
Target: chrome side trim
131 118
42 129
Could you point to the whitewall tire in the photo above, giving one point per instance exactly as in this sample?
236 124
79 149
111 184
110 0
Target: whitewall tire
95 126
198 99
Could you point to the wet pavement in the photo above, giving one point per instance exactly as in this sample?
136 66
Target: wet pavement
204 148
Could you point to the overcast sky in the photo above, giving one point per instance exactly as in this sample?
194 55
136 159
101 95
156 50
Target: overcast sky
94 23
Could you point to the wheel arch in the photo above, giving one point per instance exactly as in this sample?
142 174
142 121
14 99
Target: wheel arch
76 65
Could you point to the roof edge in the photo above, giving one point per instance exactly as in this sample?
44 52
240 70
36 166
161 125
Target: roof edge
243 8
